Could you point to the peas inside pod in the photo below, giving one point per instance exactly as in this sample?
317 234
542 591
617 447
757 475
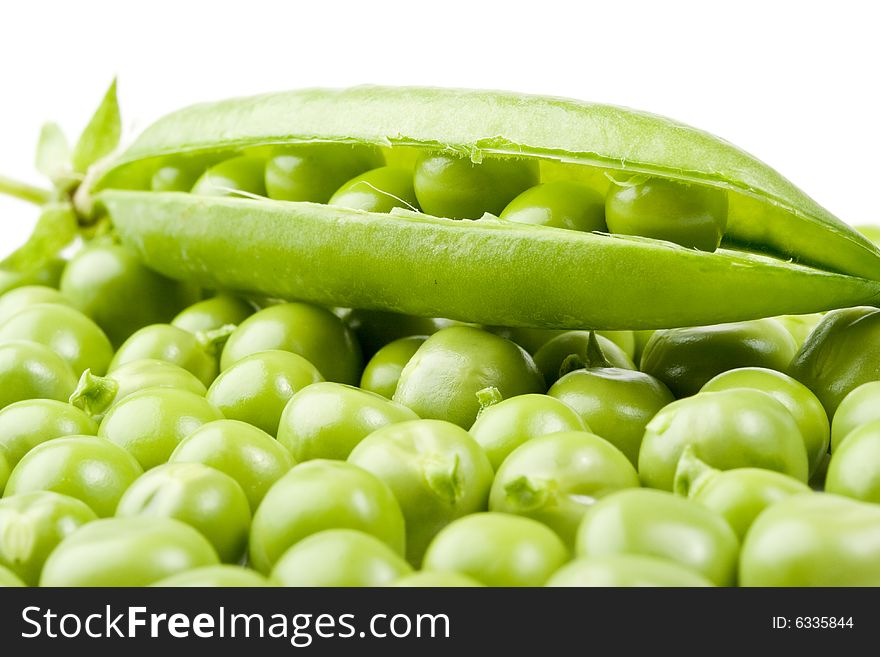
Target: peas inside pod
316 339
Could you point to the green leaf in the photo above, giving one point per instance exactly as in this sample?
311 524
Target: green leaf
101 135
55 229
53 152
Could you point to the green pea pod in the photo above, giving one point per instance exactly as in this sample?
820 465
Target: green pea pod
486 270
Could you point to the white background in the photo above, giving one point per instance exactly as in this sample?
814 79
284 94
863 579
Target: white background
795 83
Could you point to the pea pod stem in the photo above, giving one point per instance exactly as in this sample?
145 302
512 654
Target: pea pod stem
24 191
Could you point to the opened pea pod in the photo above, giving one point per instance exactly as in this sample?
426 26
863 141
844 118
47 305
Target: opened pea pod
487 207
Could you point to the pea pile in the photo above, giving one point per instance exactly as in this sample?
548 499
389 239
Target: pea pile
287 354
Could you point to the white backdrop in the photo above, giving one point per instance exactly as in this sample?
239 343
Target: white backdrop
795 83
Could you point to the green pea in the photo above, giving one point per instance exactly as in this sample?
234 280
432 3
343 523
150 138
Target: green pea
554 479
436 471
457 188
654 523
442 379
312 172
815 539
212 314
172 345
626 570
560 204
615 403
31 422
737 495
383 370
23 297
48 274
247 454
339 557
804 406
8 579
800 326
430 579
238 174
173 178
694 216
503 426
204 498
32 371
66 331
685 359
96 394
32 525
571 351
375 328
135 551
314 333
321 495
379 190
109 283
152 422
854 469
737 428
213 577
497 549
860 407
87 468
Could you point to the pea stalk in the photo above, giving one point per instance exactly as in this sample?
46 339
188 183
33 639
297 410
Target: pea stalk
24 191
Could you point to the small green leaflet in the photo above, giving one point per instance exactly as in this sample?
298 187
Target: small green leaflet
101 135
55 229
53 152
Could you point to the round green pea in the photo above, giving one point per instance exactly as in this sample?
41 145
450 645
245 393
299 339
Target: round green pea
206 499
436 471
457 188
47 274
854 468
152 422
339 557
504 426
860 407
554 479
87 468
442 379
376 328
28 423
560 204
223 576
737 428
314 333
312 172
256 388
20 298
626 570
135 551
247 454
804 406
230 177
800 326
383 370
497 549
32 525
560 350
327 420
32 371
658 524
379 190
694 216
174 178
212 314
320 495
430 579
172 345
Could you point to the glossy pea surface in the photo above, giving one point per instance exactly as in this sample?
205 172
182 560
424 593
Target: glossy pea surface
497 549
561 204
225 575
320 495
127 552
32 371
378 190
172 345
454 187
28 423
571 349
328 420
339 557
854 468
694 216
442 379
20 298
247 454
256 388
657 524
626 570
861 406
313 172
554 479
375 328
87 468
149 424
436 471
314 333
432 579
383 370
212 314
237 174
